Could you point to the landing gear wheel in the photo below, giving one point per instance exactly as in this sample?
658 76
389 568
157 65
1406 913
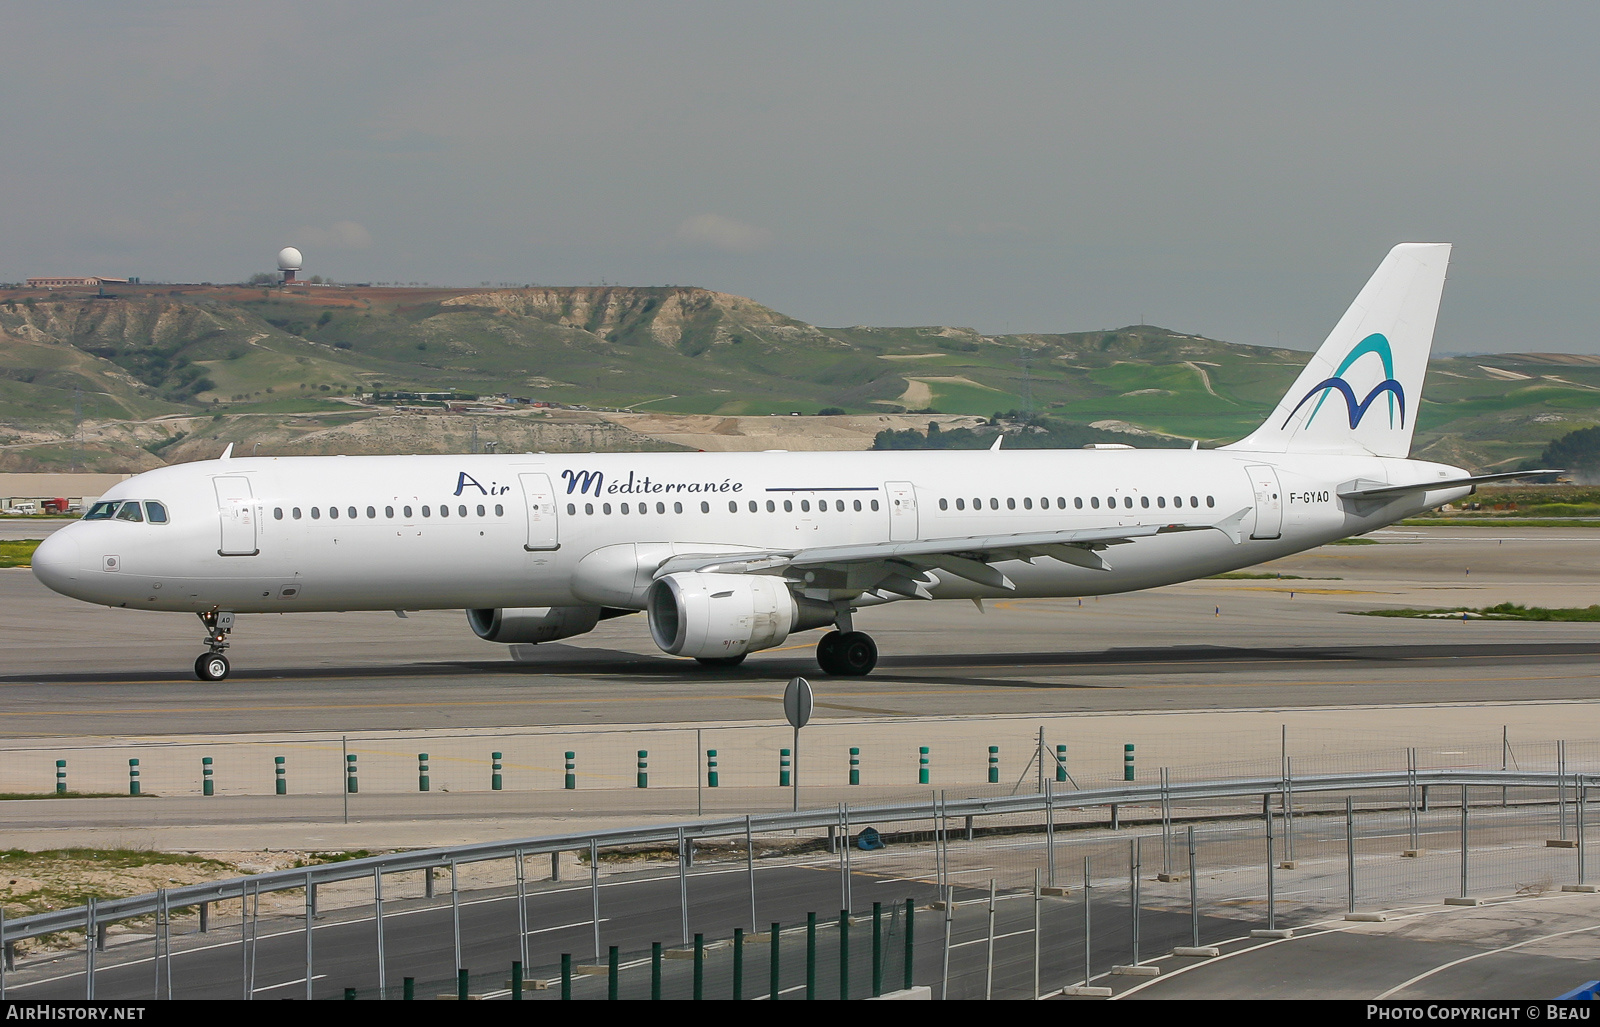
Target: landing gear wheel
211 667
721 661
847 654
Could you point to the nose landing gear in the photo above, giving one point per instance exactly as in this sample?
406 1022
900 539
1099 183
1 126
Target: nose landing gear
213 665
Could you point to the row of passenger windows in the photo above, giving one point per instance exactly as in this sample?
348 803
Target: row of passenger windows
1077 503
127 510
733 507
372 512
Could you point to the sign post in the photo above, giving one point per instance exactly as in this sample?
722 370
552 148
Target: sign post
797 703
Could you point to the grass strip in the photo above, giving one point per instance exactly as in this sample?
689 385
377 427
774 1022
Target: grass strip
1504 611
18 552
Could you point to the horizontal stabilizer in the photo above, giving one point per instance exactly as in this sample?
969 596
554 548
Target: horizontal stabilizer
1361 489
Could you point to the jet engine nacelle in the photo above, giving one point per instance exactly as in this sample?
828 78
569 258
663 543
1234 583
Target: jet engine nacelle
533 624
712 616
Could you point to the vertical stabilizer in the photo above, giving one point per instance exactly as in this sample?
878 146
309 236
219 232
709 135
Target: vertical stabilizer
1360 392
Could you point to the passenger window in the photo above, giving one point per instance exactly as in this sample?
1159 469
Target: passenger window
277 513
1094 501
838 506
388 512
352 512
1194 501
404 509
805 506
1127 502
100 512
1011 504
484 513
1177 500
661 508
788 506
1161 501
706 507
500 511
155 512
1077 502
1111 502
333 512
605 508
372 514
1061 502
677 508
733 506
572 509
295 513
588 508
1144 501
944 504
858 505
994 504
1211 500
130 512
771 507
874 504
425 512
444 511
461 510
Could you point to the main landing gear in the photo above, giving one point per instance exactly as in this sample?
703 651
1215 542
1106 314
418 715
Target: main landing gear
847 653
213 665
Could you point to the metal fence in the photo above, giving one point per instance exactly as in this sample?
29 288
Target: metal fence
986 895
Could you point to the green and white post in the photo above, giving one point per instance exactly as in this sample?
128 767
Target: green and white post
922 765
351 784
495 777
280 772
855 765
572 777
207 785
61 777
643 780
133 777
422 771
711 768
1127 762
994 764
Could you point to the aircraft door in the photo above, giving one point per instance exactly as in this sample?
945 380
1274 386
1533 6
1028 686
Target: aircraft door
540 498
902 498
1269 501
236 507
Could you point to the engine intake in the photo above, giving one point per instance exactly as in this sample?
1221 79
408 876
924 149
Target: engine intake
534 623
712 616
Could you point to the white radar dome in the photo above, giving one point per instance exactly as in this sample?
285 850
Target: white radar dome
289 259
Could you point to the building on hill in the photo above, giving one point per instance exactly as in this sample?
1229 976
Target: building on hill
57 283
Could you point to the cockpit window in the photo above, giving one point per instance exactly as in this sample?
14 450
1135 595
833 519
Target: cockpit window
130 511
156 512
100 512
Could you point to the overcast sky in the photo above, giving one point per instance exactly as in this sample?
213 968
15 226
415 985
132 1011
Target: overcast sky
1233 169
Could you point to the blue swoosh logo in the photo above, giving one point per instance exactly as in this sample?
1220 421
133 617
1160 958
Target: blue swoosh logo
1377 345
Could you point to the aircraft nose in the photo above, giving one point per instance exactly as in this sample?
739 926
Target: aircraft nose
57 562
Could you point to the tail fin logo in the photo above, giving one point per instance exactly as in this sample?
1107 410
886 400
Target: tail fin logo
1378 346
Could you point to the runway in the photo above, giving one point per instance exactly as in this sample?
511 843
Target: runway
74 669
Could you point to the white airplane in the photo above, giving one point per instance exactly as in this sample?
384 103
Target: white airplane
730 553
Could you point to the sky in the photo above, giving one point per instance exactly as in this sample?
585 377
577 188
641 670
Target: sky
1232 169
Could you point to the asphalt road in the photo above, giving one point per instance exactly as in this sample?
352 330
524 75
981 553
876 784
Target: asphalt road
74 669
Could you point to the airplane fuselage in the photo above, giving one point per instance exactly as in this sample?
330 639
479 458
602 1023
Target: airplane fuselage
308 534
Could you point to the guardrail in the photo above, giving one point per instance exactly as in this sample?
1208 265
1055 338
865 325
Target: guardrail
239 888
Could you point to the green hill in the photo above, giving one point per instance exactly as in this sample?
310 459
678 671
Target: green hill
303 355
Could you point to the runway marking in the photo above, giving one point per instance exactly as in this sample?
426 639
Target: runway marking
1480 955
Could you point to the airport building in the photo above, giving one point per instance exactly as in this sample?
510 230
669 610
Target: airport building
28 493
71 280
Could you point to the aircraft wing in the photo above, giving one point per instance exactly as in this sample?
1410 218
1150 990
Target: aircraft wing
900 568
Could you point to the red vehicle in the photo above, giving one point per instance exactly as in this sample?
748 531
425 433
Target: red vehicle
54 506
